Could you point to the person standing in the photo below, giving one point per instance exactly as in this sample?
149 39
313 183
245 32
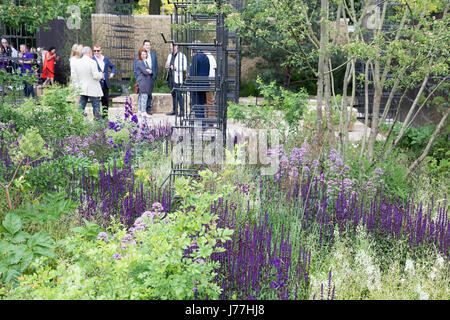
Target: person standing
176 64
153 66
143 80
48 69
199 68
3 59
14 56
88 77
75 56
26 63
104 64
7 52
210 111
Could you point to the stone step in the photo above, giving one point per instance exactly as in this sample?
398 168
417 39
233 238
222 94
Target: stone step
162 102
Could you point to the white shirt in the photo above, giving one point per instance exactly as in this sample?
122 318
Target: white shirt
180 65
212 65
149 61
101 63
14 53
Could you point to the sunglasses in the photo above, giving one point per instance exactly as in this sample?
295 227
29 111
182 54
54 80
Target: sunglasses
97 50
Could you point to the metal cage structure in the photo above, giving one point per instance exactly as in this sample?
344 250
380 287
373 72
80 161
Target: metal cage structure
196 30
118 42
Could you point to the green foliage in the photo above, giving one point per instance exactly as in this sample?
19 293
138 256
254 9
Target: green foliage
52 207
54 116
393 180
248 89
36 13
119 138
90 230
278 103
30 145
414 141
156 259
18 248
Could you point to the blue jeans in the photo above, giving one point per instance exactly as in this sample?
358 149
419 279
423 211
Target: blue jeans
142 102
95 101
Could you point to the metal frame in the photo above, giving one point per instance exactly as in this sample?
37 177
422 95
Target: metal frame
224 45
119 44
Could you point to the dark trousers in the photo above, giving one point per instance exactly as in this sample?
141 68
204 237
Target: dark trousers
198 100
28 89
105 100
177 98
150 98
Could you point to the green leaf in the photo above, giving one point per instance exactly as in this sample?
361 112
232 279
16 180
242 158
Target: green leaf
4 246
27 258
12 223
46 252
20 236
16 254
41 239
11 274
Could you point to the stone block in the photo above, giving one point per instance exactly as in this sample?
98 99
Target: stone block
162 102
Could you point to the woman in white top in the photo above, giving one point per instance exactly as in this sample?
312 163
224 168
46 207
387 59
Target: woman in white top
75 55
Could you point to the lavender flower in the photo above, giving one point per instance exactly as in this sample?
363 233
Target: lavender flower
103 236
117 256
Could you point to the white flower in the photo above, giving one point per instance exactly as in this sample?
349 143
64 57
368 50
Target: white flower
422 294
409 266
440 261
433 273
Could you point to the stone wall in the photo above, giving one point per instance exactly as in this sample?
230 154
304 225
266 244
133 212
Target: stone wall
144 27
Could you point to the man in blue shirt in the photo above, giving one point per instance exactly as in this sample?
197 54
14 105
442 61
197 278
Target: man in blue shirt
104 64
26 64
152 62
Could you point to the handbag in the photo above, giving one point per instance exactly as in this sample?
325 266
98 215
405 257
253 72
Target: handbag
136 88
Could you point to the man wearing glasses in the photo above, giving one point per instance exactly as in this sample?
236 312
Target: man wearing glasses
104 64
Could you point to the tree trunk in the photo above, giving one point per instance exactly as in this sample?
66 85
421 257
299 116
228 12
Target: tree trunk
328 106
343 116
321 67
154 7
104 6
366 106
429 145
375 111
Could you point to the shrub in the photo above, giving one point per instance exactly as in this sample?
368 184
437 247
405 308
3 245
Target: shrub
159 257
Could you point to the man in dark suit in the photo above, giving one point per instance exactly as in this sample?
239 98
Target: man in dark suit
104 64
152 62
200 68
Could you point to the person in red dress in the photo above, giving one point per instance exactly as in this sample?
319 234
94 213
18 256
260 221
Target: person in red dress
48 69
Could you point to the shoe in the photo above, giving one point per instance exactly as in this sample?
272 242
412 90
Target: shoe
170 114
